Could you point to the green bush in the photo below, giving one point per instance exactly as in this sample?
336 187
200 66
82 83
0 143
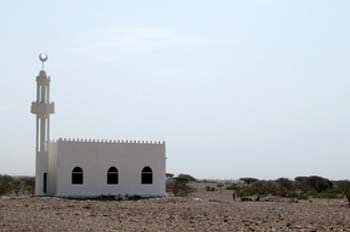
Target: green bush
247 192
249 180
5 184
313 183
302 188
179 186
327 195
187 177
17 185
233 187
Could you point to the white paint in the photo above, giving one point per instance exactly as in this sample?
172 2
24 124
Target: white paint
42 108
95 158
59 158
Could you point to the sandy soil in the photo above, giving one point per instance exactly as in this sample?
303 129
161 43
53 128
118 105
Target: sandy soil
203 211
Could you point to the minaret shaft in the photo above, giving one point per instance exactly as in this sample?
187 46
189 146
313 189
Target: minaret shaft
42 108
43 136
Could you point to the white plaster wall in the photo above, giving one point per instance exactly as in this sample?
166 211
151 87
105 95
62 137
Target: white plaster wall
41 167
42 109
96 158
52 172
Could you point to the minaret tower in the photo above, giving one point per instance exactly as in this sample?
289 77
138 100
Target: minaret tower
42 108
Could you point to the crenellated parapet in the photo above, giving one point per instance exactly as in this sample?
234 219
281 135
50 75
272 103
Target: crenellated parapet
107 141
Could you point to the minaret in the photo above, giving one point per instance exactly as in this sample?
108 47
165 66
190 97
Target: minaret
42 108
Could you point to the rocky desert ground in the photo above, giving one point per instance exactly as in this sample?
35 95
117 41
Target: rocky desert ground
202 211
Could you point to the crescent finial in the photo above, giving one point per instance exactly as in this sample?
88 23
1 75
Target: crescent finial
43 59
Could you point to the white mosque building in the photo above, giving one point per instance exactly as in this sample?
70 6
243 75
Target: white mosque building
90 168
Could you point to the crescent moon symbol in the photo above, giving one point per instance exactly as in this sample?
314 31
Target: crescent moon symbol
42 59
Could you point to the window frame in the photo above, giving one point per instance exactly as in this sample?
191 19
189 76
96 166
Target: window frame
45 182
111 174
147 176
77 177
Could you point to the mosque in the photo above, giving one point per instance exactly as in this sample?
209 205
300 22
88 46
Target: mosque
90 168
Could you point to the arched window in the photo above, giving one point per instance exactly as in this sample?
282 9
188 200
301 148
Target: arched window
45 183
112 175
77 175
146 175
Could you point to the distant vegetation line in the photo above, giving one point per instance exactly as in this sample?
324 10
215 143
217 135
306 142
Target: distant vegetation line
16 185
302 187
248 188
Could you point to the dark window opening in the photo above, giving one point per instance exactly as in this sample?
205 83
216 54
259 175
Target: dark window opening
146 175
77 175
45 182
112 175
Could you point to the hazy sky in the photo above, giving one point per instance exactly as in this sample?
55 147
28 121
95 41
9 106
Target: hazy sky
235 88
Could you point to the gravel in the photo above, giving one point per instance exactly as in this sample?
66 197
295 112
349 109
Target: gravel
202 211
